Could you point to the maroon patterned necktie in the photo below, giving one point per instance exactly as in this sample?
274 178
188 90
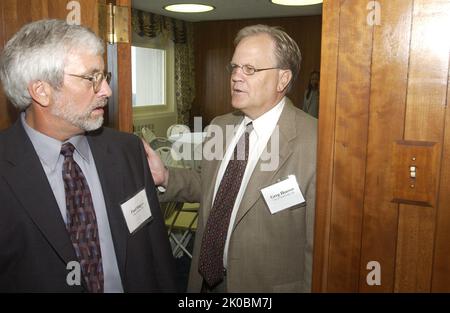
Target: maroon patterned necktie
81 221
213 241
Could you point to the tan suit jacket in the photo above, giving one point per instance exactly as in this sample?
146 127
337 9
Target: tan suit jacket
267 253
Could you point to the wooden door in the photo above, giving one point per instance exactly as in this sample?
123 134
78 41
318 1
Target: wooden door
16 13
384 109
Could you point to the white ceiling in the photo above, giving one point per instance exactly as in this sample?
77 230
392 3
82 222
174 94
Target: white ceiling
228 9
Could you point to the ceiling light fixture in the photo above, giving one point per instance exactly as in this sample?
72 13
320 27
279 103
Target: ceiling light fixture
188 8
296 2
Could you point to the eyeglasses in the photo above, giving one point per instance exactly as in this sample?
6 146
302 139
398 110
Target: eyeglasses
247 69
96 79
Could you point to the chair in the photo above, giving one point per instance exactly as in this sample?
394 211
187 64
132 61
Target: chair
147 134
181 221
177 129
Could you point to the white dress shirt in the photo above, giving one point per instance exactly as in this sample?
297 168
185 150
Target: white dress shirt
263 128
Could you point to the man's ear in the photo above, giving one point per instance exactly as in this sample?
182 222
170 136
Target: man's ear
40 92
284 78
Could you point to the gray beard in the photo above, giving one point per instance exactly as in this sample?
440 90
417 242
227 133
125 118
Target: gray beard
83 121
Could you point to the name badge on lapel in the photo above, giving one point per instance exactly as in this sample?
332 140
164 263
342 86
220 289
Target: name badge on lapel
136 211
283 194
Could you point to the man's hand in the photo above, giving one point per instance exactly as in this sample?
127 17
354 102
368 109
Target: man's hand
159 171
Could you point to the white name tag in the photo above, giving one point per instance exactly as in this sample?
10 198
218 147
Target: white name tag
136 211
283 195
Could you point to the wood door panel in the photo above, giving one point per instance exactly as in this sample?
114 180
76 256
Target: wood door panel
407 73
427 82
424 120
352 102
325 155
441 265
414 249
39 9
387 109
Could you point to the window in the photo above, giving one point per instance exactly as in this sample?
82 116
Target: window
148 76
153 90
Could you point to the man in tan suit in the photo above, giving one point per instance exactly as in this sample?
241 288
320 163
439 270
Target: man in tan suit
267 245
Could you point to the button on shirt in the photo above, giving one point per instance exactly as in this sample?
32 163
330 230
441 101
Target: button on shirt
48 150
263 128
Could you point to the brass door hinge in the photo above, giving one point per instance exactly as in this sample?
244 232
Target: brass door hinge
115 19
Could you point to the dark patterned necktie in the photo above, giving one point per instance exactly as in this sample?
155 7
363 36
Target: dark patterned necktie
81 221
213 241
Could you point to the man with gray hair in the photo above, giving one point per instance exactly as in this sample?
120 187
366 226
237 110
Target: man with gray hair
255 228
78 211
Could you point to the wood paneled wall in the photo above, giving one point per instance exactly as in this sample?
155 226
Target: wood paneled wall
214 49
381 84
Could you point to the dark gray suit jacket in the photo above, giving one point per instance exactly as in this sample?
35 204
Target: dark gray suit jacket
34 244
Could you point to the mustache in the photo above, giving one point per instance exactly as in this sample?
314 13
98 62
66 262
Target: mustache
99 104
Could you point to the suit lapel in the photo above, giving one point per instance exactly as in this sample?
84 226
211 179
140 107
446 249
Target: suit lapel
111 180
30 186
207 202
259 178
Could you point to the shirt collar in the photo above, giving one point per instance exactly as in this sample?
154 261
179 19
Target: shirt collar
48 149
81 145
266 122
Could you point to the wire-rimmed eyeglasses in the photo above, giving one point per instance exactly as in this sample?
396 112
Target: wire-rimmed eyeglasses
96 79
247 69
